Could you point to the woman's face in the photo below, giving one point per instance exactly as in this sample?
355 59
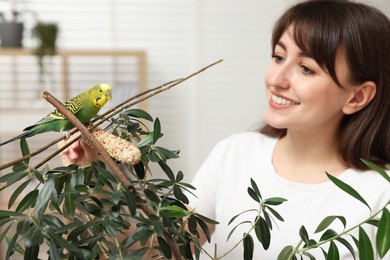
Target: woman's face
301 94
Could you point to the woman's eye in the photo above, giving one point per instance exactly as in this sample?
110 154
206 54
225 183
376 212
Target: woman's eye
306 70
277 58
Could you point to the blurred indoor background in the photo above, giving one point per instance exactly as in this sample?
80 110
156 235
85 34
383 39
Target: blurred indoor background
177 37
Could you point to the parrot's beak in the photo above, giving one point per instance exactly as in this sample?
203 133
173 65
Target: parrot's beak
109 94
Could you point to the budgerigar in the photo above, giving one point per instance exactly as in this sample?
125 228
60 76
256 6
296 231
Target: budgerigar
84 106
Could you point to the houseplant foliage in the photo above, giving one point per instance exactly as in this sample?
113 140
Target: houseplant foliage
85 213
46 35
330 240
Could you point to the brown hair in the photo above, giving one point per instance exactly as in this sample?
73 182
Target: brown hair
321 27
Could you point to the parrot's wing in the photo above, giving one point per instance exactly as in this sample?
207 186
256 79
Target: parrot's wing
55 115
73 105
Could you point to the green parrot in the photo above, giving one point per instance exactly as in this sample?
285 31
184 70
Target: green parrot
84 106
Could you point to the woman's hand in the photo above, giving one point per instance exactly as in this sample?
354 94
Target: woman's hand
77 153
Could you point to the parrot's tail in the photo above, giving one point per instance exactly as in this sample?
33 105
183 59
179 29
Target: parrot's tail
24 134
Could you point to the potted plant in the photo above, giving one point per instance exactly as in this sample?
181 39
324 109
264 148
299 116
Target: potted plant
46 36
11 26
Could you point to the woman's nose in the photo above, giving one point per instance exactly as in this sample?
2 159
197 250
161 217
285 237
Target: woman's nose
278 75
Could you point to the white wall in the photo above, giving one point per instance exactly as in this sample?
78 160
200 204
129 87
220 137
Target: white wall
181 37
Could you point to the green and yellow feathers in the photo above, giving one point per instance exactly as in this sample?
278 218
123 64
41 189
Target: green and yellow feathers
84 106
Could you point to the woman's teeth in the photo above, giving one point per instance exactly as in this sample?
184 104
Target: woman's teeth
282 101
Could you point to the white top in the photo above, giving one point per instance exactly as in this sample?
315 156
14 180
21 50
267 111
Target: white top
221 187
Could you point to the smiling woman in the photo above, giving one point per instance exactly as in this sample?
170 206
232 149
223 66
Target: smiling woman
327 90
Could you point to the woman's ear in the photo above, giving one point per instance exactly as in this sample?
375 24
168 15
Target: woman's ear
361 96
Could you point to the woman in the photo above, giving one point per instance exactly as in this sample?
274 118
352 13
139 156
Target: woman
328 89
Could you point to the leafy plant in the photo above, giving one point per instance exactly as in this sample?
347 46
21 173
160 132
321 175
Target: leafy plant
46 35
85 213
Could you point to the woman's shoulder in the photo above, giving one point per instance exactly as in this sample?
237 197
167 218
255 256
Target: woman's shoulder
370 184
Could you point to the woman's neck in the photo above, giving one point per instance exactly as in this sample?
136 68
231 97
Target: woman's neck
306 158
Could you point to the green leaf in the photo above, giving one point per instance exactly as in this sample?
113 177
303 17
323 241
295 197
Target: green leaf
333 252
139 170
204 227
44 196
347 245
286 253
179 194
166 250
268 219
23 226
206 219
264 233
5 231
167 170
69 205
156 130
253 194
255 188
13 177
151 195
329 220
31 253
62 243
11 246
174 211
248 247
328 234
110 228
239 224
147 140
21 166
245 211
7 213
17 192
53 250
304 235
139 113
179 176
99 167
130 200
24 148
28 201
348 189
38 175
378 169
366 251
192 224
141 234
52 221
275 213
383 234
274 201
165 154
33 237
309 255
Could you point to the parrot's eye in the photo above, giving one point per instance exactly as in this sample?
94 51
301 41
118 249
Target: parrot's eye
101 90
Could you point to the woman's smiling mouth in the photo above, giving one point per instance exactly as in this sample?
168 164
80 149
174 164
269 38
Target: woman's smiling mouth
283 101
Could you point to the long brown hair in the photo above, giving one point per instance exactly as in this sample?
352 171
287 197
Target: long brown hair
320 27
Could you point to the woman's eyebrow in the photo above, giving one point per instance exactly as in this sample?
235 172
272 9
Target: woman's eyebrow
302 53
